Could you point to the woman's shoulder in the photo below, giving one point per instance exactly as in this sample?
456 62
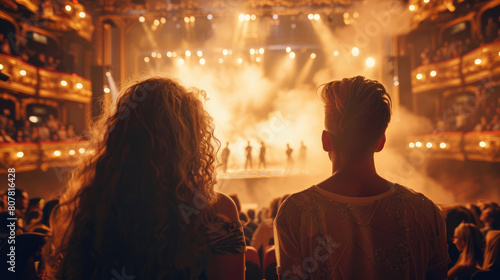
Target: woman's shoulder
225 207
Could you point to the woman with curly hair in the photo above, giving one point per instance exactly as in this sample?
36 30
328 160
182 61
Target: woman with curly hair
143 205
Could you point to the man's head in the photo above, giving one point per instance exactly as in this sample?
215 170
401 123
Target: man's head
357 112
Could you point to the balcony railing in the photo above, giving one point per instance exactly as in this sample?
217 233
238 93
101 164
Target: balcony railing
28 79
44 155
479 146
473 66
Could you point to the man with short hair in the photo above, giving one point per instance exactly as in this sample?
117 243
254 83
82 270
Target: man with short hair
355 224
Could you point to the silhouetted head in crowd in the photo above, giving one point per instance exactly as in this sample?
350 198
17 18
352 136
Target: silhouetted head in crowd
143 201
273 207
251 214
469 242
491 217
455 216
47 210
357 113
492 251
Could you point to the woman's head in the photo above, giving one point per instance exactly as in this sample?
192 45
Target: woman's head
492 251
142 199
469 241
357 113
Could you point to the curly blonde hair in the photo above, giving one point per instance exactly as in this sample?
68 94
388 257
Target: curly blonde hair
141 202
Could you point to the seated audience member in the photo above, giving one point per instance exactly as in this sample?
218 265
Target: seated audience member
491 265
356 224
71 132
20 136
491 219
52 124
264 232
35 136
491 30
455 215
482 126
26 129
469 242
4 44
62 134
148 196
495 123
44 132
11 128
251 216
6 137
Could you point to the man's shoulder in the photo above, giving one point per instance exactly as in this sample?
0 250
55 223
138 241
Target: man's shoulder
415 198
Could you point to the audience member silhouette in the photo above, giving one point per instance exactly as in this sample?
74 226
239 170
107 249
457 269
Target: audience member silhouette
356 224
144 205
248 156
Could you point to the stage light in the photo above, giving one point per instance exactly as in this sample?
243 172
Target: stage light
275 16
186 19
310 16
68 8
156 22
346 15
252 51
81 150
153 54
199 53
174 54
317 17
426 1
477 61
412 145
433 73
428 145
442 145
20 154
396 83
294 25
79 86
177 25
313 55
22 72
169 54
33 119
158 55
288 49
291 55
202 61
142 19
210 16
221 60
412 8
419 76
181 61
241 17
188 53
240 60
107 90
258 59
247 17
355 15
163 20
146 59
418 144
82 14
192 19
1 66
336 53
355 51
253 17
261 50
57 153
482 144
230 52
71 152
370 62
64 83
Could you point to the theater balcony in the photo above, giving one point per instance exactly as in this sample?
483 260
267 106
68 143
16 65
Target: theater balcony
44 155
479 64
474 146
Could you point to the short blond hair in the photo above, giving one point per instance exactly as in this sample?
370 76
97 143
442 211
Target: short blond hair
357 113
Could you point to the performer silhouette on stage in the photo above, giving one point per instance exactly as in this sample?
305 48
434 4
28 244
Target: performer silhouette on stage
262 155
225 157
248 155
289 159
